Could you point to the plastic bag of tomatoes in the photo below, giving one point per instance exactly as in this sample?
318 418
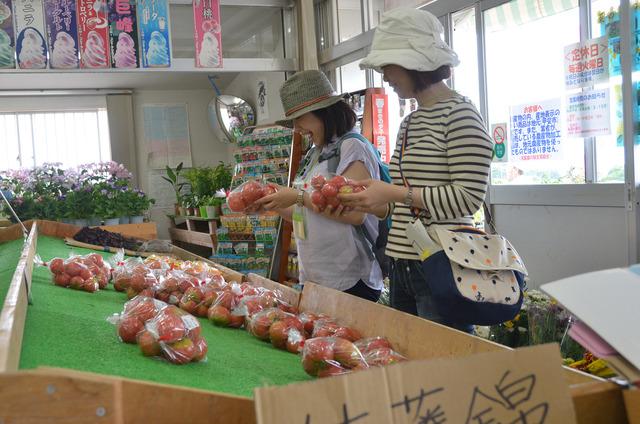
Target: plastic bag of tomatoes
89 272
243 197
325 190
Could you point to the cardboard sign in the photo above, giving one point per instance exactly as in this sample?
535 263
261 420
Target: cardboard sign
499 137
153 25
31 47
207 33
93 34
586 63
123 32
62 33
536 131
522 386
588 114
7 38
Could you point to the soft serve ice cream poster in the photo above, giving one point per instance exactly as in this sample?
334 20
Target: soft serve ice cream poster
31 47
206 31
153 25
93 33
123 29
62 33
7 40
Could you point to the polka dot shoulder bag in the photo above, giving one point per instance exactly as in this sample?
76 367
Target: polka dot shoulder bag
474 277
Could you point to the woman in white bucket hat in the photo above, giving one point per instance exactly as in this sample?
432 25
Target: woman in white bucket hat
331 249
440 167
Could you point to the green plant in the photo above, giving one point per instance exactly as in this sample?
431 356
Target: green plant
221 177
205 181
173 179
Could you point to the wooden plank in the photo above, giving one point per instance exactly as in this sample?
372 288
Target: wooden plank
34 397
71 242
144 231
290 295
14 309
632 403
192 237
598 402
228 273
143 401
10 233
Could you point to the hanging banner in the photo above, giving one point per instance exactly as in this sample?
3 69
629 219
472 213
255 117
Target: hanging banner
62 33
7 38
31 47
588 114
93 34
586 63
499 137
381 125
123 32
153 25
207 33
535 131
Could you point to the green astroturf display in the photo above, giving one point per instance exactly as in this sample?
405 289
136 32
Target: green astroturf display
9 257
68 328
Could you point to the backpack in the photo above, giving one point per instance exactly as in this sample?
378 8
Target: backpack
376 247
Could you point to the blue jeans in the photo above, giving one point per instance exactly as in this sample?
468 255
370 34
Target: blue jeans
410 293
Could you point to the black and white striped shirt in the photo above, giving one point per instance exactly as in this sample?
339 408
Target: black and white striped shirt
447 162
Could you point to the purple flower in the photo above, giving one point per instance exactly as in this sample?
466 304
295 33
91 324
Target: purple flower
103 191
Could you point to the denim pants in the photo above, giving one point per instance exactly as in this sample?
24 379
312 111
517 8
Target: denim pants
410 293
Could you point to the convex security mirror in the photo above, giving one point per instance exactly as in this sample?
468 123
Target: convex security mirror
229 116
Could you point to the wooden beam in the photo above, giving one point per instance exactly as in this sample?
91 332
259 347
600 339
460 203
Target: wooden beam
598 402
14 309
144 231
192 237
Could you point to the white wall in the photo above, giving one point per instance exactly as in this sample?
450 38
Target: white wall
205 148
561 241
245 86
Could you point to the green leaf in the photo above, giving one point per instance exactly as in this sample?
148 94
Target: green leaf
168 180
179 167
171 175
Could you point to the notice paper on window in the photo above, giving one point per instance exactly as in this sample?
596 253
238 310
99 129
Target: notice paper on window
166 135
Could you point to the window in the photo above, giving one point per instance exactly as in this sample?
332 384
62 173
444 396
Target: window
376 9
70 137
352 78
349 19
525 80
465 75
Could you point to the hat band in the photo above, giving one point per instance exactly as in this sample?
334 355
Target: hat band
307 103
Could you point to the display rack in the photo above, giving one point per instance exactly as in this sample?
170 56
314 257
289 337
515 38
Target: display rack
246 243
194 230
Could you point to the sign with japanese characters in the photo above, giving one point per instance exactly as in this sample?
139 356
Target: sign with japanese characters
7 36
586 63
499 137
381 125
31 45
93 34
588 114
207 33
525 386
535 131
62 33
123 32
154 30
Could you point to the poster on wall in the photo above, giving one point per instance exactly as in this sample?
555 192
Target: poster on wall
155 40
263 100
7 36
31 45
93 34
207 33
381 125
62 33
586 63
588 114
499 137
535 130
123 32
166 135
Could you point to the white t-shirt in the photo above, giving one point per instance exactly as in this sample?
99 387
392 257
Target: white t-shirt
332 253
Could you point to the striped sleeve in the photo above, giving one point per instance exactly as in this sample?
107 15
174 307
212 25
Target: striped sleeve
469 151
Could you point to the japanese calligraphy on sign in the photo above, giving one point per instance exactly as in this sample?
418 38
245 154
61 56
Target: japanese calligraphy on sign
514 387
588 114
586 63
381 125
535 131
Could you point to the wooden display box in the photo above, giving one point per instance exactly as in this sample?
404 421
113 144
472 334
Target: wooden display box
64 395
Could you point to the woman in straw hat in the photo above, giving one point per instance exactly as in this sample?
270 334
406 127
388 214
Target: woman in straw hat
440 167
331 249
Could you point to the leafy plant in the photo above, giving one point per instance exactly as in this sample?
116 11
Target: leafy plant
173 179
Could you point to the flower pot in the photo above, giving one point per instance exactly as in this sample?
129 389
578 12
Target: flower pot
124 220
212 212
196 211
67 221
190 212
137 219
176 209
111 221
94 222
203 212
80 222
183 211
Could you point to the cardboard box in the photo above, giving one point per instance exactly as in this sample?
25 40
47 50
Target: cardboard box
31 46
93 34
7 36
155 39
62 33
123 31
207 33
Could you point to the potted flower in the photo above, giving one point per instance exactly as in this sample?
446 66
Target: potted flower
187 199
105 204
196 205
213 206
173 179
140 203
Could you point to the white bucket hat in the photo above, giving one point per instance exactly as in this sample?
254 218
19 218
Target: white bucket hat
409 38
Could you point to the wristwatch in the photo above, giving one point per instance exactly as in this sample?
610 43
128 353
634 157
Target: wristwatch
300 198
408 200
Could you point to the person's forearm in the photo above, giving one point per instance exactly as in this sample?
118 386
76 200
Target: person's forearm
286 214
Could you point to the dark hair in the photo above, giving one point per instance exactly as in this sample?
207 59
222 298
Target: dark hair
422 80
338 119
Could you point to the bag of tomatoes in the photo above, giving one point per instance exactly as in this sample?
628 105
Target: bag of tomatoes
242 198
